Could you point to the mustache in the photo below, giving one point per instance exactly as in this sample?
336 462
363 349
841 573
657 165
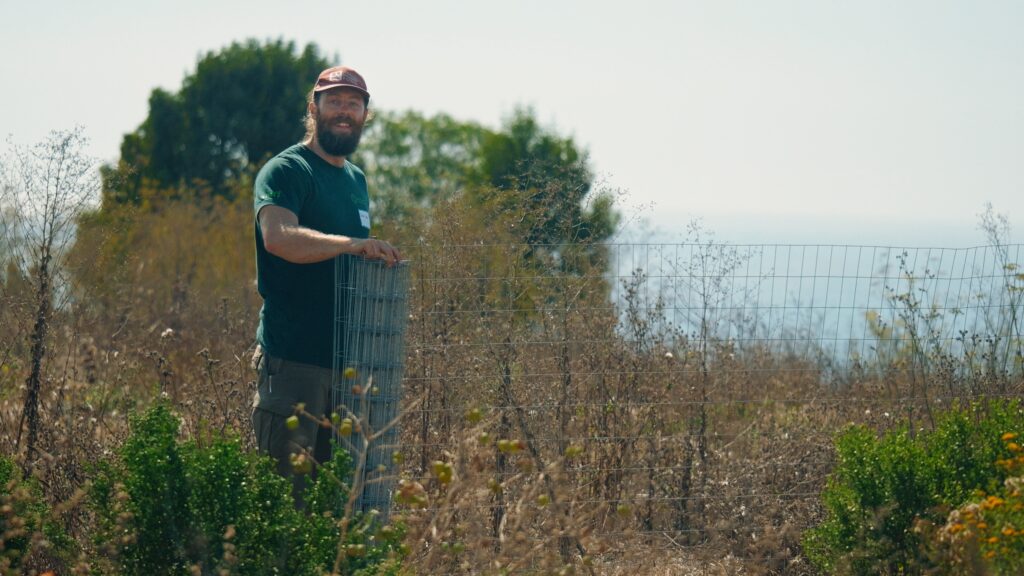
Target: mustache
339 118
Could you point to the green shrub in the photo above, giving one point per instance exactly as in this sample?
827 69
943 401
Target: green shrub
986 535
27 528
881 488
167 506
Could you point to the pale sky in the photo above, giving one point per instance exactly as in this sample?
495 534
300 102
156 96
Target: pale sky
816 121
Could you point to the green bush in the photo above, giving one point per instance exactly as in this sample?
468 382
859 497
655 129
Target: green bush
27 528
986 535
881 488
167 506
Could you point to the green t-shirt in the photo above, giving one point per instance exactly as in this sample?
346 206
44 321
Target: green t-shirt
297 319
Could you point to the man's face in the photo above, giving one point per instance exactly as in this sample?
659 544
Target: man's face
339 121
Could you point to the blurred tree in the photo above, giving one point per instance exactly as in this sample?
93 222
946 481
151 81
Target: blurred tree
544 181
242 104
545 176
412 161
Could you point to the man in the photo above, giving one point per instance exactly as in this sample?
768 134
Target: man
311 205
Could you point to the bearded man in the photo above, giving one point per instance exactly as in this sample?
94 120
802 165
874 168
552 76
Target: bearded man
311 205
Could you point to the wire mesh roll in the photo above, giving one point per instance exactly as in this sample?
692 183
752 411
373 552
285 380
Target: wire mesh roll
371 312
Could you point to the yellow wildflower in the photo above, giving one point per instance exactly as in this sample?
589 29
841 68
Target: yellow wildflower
992 502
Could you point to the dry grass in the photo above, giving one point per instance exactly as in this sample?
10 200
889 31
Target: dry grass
631 447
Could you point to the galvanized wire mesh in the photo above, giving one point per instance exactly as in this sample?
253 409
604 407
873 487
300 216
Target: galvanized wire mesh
371 310
841 305
701 383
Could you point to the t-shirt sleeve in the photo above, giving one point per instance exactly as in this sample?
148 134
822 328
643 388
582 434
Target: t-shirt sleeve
281 183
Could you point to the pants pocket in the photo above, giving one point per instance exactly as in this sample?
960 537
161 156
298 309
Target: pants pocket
269 396
283 384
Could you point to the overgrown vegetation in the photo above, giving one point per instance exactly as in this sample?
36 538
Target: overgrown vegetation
551 427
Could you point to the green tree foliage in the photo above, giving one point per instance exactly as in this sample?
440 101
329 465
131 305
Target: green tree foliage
550 180
414 162
241 105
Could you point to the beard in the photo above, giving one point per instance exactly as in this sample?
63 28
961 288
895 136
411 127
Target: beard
337 144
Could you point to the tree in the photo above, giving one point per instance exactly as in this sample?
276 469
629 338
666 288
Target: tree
49 186
550 180
413 161
241 105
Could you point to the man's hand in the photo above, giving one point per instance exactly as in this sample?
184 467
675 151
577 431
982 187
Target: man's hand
376 250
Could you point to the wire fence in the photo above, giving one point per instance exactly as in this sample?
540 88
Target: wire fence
684 391
371 309
844 303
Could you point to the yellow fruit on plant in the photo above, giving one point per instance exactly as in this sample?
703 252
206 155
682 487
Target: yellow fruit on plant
356 550
411 493
494 485
443 471
345 428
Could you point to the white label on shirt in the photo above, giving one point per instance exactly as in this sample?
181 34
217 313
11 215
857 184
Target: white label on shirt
364 217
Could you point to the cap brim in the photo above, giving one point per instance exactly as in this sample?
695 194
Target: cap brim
321 88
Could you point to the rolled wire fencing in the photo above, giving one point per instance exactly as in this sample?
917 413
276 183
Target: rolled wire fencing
688 390
371 311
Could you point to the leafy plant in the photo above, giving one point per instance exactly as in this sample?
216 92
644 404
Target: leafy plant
27 527
985 535
169 506
882 487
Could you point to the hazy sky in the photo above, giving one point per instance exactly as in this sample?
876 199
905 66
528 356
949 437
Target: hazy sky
863 121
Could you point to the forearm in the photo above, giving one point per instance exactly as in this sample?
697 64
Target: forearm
301 245
285 238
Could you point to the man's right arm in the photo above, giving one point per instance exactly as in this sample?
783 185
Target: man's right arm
285 238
